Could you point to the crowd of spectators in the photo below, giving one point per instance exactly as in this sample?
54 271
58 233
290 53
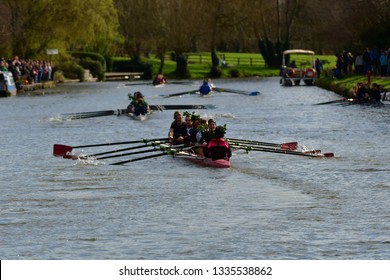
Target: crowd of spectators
28 71
375 60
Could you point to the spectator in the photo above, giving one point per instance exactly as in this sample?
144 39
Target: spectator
318 65
384 62
366 61
359 64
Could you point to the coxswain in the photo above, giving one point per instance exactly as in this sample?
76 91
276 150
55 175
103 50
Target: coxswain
218 148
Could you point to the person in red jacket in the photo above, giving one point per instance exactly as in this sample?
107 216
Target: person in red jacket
218 148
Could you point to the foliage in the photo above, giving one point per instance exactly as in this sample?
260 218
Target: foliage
234 73
38 25
90 55
94 66
72 70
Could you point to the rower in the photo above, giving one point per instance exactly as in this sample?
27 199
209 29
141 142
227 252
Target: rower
177 127
159 80
206 87
138 105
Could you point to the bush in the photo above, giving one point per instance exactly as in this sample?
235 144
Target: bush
94 66
234 73
72 70
92 56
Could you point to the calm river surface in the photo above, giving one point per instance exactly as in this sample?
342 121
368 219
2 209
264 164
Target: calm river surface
267 206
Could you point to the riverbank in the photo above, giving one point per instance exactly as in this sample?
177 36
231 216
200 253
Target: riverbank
344 85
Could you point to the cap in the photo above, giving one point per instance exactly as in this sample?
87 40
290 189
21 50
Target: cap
211 121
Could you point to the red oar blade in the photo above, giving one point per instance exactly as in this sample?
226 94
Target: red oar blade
61 150
291 146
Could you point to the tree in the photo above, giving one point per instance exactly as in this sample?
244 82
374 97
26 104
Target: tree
183 25
38 25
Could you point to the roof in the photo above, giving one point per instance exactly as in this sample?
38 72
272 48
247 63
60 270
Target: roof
297 51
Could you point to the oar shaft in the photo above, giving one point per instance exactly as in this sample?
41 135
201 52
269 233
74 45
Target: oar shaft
333 101
137 159
129 154
237 91
125 149
179 93
279 151
258 143
121 143
180 107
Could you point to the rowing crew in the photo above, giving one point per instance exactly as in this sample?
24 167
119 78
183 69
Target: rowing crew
365 95
205 137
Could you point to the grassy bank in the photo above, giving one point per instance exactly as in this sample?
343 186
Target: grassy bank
344 85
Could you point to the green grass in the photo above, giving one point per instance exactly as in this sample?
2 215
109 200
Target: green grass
237 65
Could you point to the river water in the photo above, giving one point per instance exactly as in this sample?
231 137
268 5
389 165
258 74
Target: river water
267 206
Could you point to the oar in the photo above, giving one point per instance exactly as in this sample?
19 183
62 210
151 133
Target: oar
154 143
62 150
253 93
132 153
139 84
180 83
280 151
285 146
181 107
157 147
137 159
336 101
151 83
93 114
179 93
167 150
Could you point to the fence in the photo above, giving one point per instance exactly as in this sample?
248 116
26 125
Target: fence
228 60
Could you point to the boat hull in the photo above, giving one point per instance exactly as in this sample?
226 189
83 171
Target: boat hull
138 117
203 161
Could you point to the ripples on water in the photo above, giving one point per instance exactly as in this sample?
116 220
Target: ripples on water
267 206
